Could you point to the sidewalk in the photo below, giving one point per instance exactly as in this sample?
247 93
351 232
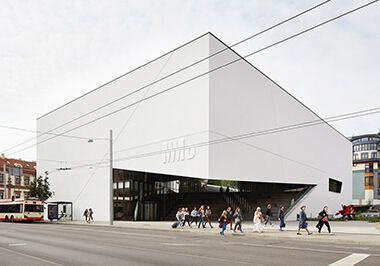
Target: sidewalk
349 232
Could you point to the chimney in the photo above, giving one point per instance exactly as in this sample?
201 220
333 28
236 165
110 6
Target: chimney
2 156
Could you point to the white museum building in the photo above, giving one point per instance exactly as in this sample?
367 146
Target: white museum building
182 131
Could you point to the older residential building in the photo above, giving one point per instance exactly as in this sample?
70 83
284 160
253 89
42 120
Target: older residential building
365 168
19 174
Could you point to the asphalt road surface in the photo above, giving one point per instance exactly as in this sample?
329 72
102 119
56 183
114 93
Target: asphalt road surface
57 244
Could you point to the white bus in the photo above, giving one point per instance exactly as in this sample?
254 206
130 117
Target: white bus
21 210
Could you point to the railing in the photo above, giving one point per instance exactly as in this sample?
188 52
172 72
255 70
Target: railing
295 203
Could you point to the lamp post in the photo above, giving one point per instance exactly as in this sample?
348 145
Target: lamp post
111 181
111 177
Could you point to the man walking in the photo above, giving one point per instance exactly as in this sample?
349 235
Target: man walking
268 215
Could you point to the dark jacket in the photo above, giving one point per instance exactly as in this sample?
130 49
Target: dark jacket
303 218
229 215
322 215
268 212
281 214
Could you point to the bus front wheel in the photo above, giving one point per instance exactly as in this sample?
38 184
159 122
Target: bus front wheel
6 219
12 219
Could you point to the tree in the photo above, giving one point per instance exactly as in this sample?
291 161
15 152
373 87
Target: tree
40 188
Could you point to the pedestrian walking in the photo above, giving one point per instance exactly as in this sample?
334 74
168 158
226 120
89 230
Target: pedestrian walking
222 222
62 214
257 219
238 220
268 215
303 223
178 216
91 214
208 216
194 216
201 214
323 220
281 217
85 214
229 217
186 216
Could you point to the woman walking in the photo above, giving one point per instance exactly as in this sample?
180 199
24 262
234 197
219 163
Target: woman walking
281 217
238 220
208 216
201 214
303 223
323 220
268 215
222 222
257 227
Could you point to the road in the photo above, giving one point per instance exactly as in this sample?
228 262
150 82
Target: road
57 244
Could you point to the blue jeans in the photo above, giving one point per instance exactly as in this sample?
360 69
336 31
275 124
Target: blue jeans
236 226
201 221
223 229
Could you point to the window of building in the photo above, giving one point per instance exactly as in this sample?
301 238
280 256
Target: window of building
1 178
17 194
26 180
373 154
1 195
15 171
364 155
18 180
356 156
335 185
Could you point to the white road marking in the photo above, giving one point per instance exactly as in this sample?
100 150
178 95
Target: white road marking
16 244
30 256
350 260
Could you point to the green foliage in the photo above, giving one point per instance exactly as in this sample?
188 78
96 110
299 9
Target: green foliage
224 183
40 188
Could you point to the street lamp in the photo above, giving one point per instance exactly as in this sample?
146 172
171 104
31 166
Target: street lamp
111 176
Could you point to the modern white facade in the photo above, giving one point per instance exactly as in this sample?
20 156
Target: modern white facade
233 100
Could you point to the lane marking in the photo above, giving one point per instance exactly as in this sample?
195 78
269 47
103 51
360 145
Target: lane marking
350 260
30 256
16 244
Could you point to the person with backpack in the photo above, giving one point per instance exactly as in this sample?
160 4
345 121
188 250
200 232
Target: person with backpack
208 216
303 223
281 217
201 214
238 219
323 220
229 217
222 222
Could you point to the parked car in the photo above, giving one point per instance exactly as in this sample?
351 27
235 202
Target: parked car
371 213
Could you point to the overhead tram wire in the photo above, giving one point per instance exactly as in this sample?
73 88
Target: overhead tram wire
275 130
179 70
48 133
205 73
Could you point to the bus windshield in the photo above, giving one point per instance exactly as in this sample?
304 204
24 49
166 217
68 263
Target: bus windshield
34 208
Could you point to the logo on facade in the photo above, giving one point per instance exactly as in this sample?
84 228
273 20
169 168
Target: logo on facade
176 151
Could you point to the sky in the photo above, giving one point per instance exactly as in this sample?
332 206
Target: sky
54 51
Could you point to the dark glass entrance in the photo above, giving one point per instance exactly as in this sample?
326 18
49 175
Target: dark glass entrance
141 196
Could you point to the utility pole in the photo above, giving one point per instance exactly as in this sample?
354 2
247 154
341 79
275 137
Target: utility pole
5 181
111 181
